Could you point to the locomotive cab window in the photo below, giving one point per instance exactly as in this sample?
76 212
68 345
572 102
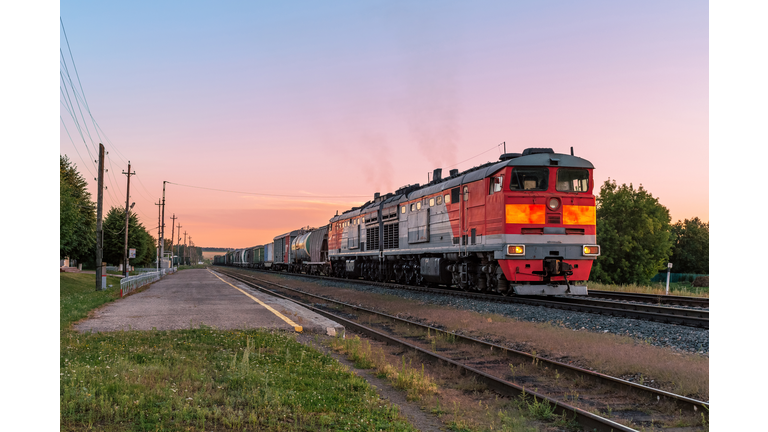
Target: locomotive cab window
496 183
439 199
402 209
572 180
529 179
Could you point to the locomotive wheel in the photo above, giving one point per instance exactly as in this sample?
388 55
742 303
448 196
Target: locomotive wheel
410 277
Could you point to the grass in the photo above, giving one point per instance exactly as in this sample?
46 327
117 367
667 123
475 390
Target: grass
459 401
405 377
203 379
675 288
620 356
78 296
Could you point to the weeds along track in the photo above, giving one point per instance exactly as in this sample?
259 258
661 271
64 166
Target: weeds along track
577 392
640 307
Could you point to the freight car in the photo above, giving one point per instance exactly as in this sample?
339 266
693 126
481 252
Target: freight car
304 250
522 225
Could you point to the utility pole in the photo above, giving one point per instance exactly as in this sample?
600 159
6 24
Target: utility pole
172 236
99 232
185 245
158 234
127 216
178 240
162 226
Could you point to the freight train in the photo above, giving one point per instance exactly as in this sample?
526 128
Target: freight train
523 225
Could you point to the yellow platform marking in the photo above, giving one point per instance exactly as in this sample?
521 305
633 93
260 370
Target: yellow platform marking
295 326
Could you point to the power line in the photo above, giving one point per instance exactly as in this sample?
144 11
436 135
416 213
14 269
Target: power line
496 146
73 145
274 195
142 185
76 100
70 109
74 65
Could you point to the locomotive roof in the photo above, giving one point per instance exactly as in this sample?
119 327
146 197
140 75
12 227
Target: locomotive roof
470 175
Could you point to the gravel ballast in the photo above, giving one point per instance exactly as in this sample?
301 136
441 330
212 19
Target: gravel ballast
673 336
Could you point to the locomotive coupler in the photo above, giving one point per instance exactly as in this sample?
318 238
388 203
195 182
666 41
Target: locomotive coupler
557 267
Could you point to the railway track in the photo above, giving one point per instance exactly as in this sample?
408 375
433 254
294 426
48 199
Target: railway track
642 394
700 302
643 311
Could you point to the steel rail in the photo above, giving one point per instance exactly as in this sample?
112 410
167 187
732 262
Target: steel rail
682 402
644 307
702 302
686 317
506 388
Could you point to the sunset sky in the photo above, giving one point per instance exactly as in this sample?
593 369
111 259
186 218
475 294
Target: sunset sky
326 103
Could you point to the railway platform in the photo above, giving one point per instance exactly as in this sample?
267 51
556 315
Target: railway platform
190 298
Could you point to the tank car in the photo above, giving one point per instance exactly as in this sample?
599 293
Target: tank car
523 225
310 252
303 250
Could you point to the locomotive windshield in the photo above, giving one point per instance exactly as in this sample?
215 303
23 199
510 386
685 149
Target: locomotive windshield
529 179
572 180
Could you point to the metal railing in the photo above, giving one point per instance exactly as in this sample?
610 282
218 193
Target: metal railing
131 283
144 269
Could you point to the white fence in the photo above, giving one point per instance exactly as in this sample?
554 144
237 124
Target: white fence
144 269
131 283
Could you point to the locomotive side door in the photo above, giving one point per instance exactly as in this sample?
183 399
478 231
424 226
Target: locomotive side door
464 216
455 216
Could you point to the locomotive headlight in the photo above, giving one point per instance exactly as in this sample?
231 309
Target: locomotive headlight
591 250
515 249
554 203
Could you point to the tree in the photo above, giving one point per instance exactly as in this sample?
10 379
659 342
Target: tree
114 238
691 250
77 214
150 252
634 235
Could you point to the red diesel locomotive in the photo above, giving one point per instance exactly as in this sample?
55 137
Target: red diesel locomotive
523 225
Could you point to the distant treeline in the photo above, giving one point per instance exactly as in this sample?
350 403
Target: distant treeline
216 249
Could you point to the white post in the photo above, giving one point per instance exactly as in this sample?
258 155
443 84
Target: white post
669 269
